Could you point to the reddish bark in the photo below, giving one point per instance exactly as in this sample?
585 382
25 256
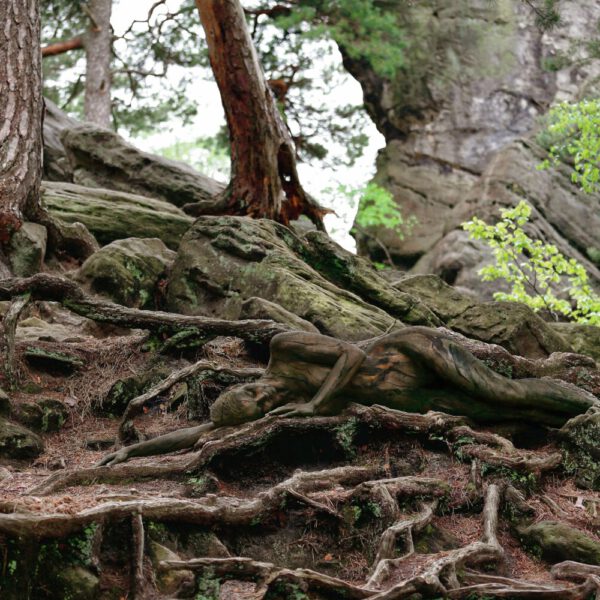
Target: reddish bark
264 178
75 43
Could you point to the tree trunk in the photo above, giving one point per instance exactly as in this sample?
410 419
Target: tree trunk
21 109
98 49
264 179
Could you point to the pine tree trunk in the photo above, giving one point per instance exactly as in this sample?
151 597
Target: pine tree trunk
21 108
264 179
98 48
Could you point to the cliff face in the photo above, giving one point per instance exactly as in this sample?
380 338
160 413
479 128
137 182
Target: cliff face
460 120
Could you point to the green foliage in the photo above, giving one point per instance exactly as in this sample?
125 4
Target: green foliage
145 90
534 269
359 27
344 434
376 208
547 14
208 586
574 131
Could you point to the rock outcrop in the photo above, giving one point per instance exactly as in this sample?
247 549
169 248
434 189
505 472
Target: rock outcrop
459 119
128 271
223 262
111 215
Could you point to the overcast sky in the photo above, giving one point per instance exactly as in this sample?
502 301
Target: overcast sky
210 118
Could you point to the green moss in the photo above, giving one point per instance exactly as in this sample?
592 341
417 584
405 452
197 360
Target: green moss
345 434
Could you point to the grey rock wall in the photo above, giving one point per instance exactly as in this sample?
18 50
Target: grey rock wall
459 120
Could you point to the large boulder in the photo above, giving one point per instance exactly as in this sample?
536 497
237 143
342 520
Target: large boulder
127 271
224 261
459 125
102 158
561 215
444 300
556 542
18 442
511 325
111 215
46 414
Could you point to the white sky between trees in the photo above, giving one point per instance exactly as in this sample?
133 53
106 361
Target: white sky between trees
210 118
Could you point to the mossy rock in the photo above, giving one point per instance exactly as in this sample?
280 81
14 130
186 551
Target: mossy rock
101 158
434 539
78 583
124 390
223 262
441 298
169 582
18 442
45 415
127 271
555 542
27 249
584 339
511 325
112 215
581 446
52 361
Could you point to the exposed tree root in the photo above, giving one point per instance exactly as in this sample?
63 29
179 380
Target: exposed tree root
9 325
44 286
574 571
93 475
325 495
211 443
405 528
137 566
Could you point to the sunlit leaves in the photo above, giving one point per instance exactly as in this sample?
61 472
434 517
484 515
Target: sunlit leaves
574 131
539 275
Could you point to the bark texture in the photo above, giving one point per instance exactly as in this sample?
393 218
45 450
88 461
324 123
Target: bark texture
98 48
21 109
264 180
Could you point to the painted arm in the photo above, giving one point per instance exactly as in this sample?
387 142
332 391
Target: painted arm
345 360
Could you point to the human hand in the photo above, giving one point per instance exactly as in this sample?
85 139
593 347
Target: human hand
301 409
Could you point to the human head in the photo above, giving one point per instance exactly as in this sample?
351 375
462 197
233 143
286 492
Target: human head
241 404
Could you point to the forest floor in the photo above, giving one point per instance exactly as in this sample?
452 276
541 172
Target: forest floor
375 476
